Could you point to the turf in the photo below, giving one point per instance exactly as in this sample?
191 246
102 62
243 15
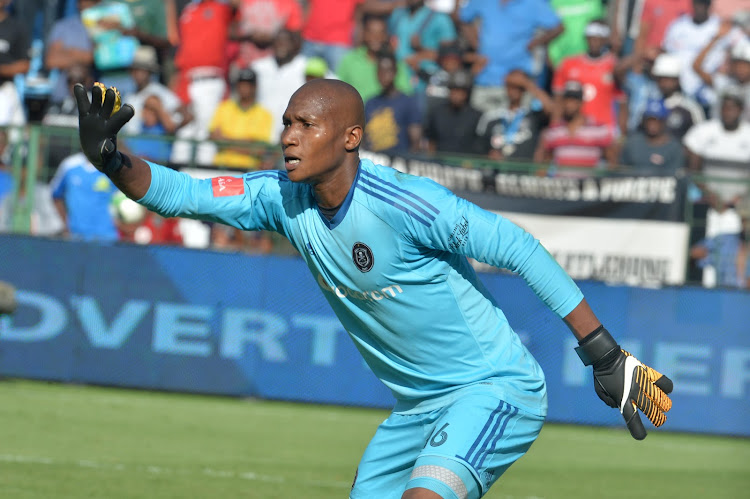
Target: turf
63 441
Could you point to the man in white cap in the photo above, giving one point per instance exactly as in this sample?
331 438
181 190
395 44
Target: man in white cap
684 111
738 74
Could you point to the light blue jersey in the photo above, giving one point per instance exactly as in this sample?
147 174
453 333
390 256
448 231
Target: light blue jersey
392 264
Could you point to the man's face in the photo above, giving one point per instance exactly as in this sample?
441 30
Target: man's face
740 70
458 97
701 9
283 46
731 112
668 85
571 107
246 90
450 63
140 76
375 35
653 127
386 72
596 45
312 139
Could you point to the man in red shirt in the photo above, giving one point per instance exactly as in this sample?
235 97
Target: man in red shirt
258 22
329 29
599 73
576 140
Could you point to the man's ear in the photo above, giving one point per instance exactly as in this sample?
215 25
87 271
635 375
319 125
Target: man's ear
353 137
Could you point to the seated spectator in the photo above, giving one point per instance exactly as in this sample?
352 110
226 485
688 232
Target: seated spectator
656 16
719 254
201 64
68 46
738 75
393 123
153 144
512 130
82 196
510 32
113 51
328 29
684 111
358 67
172 113
686 37
419 31
258 22
279 76
241 119
576 140
720 150
653 149
598 71
451 126
14 60
575 15
450 60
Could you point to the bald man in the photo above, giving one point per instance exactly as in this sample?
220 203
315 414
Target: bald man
388 251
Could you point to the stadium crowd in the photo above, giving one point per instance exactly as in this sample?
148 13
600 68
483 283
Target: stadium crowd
649 85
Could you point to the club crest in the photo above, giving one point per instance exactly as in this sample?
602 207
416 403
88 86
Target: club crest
362 256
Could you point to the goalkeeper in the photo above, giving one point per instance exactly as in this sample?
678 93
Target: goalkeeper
389 253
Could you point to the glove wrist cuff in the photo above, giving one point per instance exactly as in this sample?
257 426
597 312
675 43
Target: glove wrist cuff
596 346
113 164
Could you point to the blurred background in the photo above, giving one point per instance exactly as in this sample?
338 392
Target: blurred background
615 131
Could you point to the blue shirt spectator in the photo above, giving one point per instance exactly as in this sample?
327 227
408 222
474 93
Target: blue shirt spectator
83 194
508 33
420 31
68 44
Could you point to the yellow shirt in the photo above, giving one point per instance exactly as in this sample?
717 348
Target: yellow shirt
235 123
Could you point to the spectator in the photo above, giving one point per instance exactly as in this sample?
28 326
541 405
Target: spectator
598 71
155 123
719 254
358 67
171 112
68 46
739 70
656 17
639 85
202 65
575 15
279 76
150 26
329 28
511 131
507 37
258 22
14 60
576 140
684 111
113 51
450 60
316 67
685 38
720 150
392 119
241 119
65 112
653 148
419 31
82 196
451 127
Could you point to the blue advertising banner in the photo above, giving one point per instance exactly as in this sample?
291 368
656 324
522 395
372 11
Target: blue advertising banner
206 322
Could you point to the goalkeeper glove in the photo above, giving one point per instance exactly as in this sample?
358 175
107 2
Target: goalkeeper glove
623 382
98 126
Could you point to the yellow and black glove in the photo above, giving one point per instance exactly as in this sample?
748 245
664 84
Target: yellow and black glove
98 124
623 382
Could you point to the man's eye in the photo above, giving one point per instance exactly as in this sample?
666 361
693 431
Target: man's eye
307 124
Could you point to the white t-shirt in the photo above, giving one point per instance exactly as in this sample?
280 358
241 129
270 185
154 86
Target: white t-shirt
726 155
276 84
685 39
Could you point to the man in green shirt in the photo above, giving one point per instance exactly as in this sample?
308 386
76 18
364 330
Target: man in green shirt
575 16
359 66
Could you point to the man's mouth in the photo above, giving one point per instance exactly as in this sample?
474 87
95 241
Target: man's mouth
291 161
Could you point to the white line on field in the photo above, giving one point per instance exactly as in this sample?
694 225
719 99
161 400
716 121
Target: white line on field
160 470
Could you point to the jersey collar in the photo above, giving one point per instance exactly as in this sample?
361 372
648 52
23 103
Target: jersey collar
339 216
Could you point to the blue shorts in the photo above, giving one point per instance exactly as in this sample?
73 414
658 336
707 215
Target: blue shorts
457 451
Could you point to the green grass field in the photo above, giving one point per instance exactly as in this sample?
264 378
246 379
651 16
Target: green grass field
62 441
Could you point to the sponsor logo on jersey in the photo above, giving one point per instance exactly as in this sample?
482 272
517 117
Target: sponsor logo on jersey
362 257
373 295
227 186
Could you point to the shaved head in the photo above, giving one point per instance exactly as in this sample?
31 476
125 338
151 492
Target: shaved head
338 100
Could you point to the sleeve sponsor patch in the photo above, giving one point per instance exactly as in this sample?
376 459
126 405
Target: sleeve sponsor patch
228 186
